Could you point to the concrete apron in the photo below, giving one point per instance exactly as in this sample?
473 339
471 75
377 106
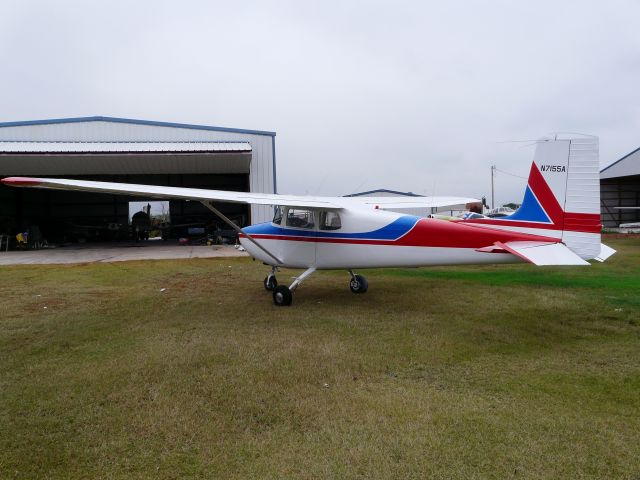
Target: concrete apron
116 252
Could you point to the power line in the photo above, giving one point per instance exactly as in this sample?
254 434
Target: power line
510 174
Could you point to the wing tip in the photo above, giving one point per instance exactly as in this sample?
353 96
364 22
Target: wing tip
21 181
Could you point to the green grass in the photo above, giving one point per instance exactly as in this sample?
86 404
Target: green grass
467 372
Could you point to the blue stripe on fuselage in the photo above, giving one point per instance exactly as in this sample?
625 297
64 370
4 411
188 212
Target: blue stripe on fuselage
393 231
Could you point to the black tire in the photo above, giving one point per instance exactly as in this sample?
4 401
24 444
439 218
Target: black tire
358 284
282 296
270 283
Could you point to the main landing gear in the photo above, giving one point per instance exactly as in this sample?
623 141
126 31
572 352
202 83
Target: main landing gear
358 283
283 295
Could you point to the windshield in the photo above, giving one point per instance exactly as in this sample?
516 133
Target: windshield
277 215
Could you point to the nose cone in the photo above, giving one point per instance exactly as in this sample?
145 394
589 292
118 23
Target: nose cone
253 250
260 233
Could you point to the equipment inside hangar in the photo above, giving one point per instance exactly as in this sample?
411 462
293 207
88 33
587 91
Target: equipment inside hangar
130 151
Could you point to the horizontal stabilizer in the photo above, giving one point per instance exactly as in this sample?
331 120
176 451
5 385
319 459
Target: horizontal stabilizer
538 253
605 252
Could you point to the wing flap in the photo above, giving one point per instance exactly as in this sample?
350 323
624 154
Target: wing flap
538 253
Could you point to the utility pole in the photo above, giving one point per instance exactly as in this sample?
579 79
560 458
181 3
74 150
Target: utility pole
493 199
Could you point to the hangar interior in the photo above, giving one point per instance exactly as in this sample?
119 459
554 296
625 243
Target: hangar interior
128 151
620 187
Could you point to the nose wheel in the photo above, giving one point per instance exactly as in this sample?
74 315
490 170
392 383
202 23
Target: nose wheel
358 283
270 283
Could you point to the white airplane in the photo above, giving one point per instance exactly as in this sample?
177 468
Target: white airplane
557 224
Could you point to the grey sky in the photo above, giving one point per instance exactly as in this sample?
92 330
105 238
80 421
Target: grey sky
401 95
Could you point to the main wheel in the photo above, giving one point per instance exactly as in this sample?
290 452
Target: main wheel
270 283
358 284
282 296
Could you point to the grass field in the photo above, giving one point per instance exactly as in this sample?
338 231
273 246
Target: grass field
493 372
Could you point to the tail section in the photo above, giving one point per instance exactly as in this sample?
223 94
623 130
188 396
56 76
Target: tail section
562 198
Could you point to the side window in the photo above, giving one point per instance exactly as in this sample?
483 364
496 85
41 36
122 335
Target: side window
330 221
277 215
299 218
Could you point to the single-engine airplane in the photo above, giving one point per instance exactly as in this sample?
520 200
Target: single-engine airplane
557 224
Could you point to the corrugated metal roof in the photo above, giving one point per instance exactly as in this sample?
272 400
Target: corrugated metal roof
383 191
628 165
122 147
133 121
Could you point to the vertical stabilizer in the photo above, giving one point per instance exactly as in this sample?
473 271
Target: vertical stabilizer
562 197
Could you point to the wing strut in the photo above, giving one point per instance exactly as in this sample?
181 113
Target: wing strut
229 222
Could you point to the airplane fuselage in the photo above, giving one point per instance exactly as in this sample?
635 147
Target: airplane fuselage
376 239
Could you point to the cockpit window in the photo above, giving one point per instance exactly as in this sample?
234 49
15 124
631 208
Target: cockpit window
299 218
330 221
277 215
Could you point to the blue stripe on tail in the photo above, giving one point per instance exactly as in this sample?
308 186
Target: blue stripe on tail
530 210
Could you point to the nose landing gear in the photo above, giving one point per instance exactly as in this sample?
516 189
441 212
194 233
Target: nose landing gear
270 281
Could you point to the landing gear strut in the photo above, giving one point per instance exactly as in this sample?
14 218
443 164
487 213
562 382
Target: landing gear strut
358 283
283 295
270 282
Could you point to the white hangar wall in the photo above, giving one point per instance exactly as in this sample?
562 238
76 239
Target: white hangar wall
262 172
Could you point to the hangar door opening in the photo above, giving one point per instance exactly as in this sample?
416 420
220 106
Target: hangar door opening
70 217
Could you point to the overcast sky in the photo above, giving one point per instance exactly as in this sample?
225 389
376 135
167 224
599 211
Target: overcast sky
413 96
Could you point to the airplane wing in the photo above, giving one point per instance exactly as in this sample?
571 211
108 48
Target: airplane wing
405 202
166 193
538 253
202 195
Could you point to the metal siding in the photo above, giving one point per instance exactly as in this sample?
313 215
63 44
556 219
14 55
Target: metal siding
103 131
100 147
260 176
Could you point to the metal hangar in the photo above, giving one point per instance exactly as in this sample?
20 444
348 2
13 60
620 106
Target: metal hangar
131 151
620 191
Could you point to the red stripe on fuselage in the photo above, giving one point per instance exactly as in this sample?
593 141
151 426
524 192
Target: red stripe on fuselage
429 233
574 222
